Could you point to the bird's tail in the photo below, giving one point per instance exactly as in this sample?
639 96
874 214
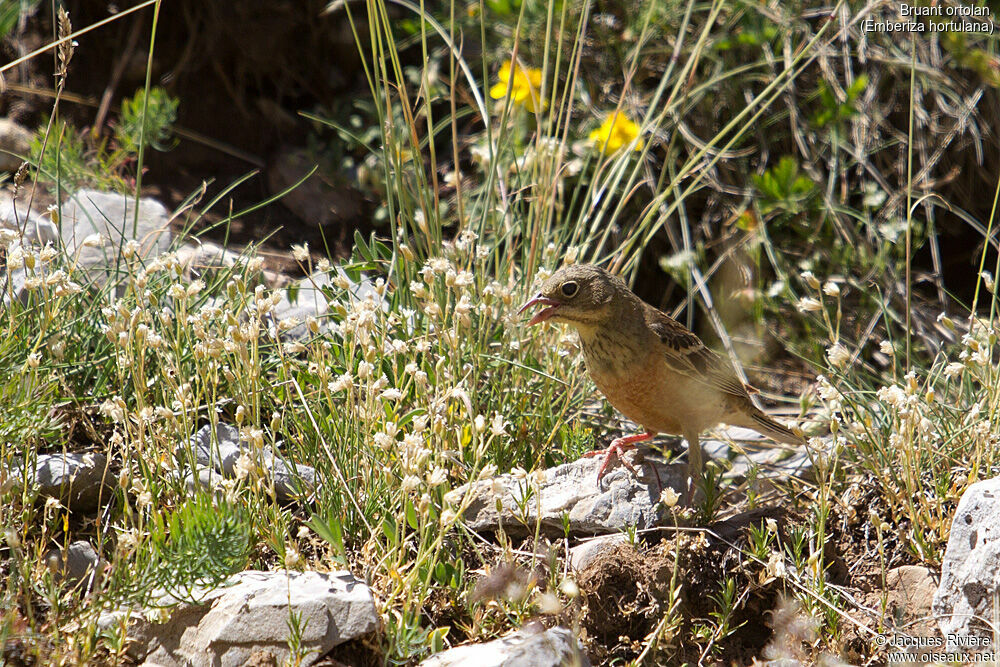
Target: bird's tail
760 422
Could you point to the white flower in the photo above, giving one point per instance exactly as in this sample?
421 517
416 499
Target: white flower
885 347
365 370
383 440
775 565
438 477
300 252
838 355
342 382
244 464
292 557
498 426
410 483
893 395
954 369
93 241
114 408
569 588
669 497
831 288
391 394
809 305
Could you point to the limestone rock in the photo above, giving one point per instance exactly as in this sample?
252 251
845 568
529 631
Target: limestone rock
112 216
249 618
971 563
620 500
529 647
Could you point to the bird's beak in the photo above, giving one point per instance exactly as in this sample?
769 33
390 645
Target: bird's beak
539 300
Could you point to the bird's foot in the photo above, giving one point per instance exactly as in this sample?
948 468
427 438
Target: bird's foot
616 450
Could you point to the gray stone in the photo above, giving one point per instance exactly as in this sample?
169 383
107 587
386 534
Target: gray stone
305 298
585 553
529 647
15 142
621 500
250 617
112 216
76 479
198 256
78 562
971 565
220 453
15 216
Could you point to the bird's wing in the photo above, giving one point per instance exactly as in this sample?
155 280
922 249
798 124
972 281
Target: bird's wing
686 354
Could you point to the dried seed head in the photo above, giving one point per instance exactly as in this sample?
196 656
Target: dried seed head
65 52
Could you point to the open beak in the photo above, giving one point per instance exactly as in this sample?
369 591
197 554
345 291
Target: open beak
541 316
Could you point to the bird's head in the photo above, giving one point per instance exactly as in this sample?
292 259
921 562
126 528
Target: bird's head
579 294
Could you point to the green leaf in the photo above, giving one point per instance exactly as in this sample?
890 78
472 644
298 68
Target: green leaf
411 515
330 530
389 530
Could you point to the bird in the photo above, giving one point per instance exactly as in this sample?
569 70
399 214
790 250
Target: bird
650 367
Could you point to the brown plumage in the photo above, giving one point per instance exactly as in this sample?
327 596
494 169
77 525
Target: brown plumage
649 366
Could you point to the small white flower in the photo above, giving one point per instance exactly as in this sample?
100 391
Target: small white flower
498 426
410 483
954 369
809 305
391 394
831 288
300 252
569 588
93 241
244 464
893 395
438 477
838 355
810 280
885 347
669 497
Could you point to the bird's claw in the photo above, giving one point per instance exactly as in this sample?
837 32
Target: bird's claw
616 450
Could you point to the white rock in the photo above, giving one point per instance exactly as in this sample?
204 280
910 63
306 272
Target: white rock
621 500
112 216
970 571
526 648
305 298
252 616
15 216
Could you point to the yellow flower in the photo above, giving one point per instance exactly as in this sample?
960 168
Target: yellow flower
525 87
616 131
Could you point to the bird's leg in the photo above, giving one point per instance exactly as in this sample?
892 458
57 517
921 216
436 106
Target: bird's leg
696 466
615 450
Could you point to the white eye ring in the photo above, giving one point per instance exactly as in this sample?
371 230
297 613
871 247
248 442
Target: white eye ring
570 288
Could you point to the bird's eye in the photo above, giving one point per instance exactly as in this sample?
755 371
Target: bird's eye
570 288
